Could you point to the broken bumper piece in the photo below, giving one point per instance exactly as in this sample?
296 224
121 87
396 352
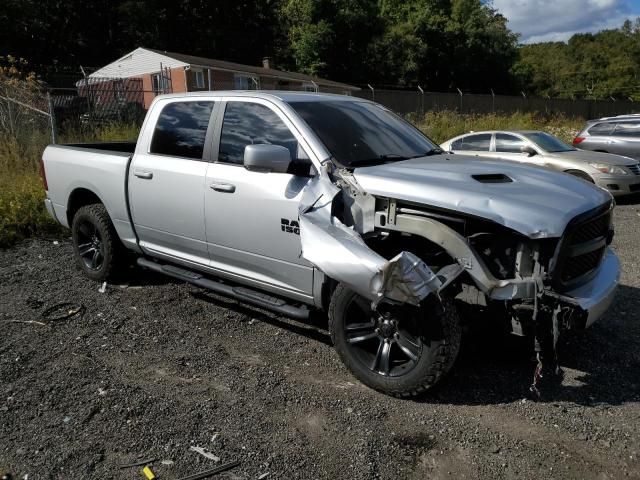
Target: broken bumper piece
595 297
341 253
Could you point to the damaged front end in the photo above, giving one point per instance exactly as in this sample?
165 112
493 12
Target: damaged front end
545 285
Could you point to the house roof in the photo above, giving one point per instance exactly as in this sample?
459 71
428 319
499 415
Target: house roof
241 68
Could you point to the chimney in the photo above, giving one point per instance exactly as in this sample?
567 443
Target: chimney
266 62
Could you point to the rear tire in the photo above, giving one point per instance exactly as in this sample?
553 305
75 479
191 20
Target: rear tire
96 245
402 353
581 174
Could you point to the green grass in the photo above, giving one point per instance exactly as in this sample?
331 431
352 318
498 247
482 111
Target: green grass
22 211
443 125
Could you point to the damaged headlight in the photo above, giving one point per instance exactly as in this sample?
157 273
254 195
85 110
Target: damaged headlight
498 253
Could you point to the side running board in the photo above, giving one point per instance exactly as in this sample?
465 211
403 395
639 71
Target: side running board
243 294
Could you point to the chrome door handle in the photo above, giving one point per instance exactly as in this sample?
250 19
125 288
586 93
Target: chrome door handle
223 187
143 174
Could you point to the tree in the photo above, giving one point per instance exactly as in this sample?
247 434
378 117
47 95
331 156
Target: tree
595 66
446 44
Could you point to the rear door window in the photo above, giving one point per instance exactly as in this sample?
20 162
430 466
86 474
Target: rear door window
181 129
627 129
508 143
478 143
602 128
247 123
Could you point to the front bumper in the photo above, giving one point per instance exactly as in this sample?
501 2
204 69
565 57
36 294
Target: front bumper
596 296
619 184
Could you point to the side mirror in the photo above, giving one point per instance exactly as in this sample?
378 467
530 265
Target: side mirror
529 150
267 158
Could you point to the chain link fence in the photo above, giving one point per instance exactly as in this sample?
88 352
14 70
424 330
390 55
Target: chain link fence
94 102
418 102
30 109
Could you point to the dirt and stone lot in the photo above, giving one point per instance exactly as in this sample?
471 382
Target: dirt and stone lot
156 367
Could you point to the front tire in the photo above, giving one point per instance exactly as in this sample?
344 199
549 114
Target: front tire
403 351
96 245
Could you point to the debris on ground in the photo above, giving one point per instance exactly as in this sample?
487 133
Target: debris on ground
35 322
63 311
213 471
103 287
167 462
148 473
205 453
147 461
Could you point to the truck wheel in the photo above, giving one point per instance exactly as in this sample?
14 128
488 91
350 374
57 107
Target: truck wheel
402 351
96 245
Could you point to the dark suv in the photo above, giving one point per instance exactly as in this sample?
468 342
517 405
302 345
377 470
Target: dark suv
620 135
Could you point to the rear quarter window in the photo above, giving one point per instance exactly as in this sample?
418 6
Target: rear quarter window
181 129
479 143
601 129
627 129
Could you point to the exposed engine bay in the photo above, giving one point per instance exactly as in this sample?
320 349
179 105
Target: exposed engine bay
393 251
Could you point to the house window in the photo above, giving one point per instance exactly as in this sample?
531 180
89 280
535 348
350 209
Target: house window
199 79
160 83
246 82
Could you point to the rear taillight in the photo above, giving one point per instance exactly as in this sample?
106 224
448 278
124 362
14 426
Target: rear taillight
577 140
43 175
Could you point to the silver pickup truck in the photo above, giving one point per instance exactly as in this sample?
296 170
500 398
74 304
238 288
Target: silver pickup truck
299 201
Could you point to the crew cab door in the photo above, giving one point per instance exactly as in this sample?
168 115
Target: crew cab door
167 181
252 216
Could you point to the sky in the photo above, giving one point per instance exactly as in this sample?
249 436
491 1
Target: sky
557 20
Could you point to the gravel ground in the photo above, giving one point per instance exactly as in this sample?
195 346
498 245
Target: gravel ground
156 367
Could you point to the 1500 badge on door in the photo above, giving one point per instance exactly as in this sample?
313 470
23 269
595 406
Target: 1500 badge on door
290 226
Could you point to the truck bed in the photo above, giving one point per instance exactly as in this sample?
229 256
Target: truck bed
118 147
100 168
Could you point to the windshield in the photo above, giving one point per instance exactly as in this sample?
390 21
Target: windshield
361 133
548 143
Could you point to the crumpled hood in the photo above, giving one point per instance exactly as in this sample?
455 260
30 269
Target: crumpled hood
596 157
537 203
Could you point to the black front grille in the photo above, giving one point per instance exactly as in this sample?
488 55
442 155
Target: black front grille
582 247
582 264
635 169
591 229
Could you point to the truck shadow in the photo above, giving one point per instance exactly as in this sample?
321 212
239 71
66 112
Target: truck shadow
315 328
632 199
601 364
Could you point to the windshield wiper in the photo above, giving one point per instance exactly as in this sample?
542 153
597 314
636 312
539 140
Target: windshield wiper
433 151
396 157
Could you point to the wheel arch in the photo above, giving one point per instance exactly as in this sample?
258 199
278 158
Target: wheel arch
78 198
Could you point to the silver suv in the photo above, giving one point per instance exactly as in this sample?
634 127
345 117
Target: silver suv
619 135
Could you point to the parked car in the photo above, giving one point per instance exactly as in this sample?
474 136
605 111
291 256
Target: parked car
619 135
300 201
617 174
